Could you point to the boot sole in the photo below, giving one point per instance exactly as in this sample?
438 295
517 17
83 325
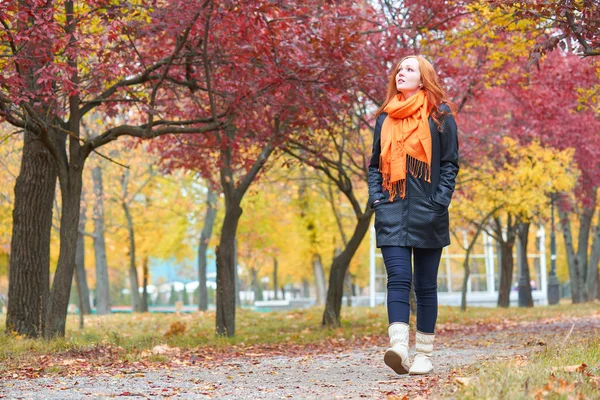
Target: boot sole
394 361
420 373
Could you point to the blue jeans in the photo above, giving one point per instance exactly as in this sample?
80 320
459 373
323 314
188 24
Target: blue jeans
399 271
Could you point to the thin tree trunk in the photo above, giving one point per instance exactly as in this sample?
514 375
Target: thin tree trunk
592 276
305 288
227 251
339 268
209 222
572 260
319 278
79 300
258 294
146 275
226 271
80 275
69 224
506 259
467 267
275 264
29 280
506 275
525 276
134 282
467 274
348 288
585 225
102 283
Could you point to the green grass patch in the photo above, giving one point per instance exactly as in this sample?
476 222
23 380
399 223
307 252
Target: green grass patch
138 332
571 371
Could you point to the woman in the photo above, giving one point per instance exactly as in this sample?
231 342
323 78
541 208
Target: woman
411 180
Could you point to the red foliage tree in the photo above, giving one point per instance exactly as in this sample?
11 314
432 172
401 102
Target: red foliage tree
292 67
574 24
66 61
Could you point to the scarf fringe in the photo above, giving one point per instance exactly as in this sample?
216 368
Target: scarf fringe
417 168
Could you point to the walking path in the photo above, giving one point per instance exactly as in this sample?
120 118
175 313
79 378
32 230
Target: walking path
349 374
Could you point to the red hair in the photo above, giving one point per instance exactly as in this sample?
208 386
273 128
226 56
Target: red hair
431 85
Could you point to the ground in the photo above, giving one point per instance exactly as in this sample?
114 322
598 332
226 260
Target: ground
336 368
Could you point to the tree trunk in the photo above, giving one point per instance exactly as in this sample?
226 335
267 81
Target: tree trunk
592 276
525 296
146 275
339 268
29 279
506 274
348 288
227 250
467 274
80 275
585 225
71 185
275 265
209 222
225 319
102 283
134 282
506 258
79 300
29 263
572 260
319 278
467 266
256 287
305 288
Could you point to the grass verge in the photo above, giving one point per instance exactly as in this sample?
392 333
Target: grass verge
138 332
569 370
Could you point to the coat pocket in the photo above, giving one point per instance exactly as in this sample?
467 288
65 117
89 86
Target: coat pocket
428 220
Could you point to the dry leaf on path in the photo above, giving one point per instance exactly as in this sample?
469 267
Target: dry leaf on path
165 349
463 380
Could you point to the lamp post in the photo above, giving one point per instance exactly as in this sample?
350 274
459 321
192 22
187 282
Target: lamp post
553 294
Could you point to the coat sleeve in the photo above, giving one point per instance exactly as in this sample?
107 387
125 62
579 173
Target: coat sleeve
375 179
448 160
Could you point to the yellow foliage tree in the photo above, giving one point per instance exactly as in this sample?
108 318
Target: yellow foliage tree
512 189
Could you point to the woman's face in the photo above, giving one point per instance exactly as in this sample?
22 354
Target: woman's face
408 78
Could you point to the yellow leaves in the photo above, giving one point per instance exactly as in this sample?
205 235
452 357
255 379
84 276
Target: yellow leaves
520 185
493 32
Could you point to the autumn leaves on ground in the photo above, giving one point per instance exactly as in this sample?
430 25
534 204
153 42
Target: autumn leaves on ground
544 352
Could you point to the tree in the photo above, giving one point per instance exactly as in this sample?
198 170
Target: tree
513 189
559 23
569 75
339 153
297 58
78 73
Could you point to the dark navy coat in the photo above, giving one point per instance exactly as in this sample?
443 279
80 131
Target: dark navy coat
421 218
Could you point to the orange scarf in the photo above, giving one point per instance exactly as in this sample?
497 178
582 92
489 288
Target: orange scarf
405 143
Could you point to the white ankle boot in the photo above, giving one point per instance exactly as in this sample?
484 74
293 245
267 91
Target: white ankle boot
422 364
396 357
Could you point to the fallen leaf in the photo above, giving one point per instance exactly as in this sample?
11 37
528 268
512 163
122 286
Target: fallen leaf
463 380
570 368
